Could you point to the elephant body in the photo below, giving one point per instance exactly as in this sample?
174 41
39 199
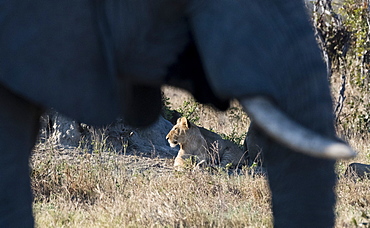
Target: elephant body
101 51
97 60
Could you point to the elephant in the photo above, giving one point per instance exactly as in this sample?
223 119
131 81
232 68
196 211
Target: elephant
95 60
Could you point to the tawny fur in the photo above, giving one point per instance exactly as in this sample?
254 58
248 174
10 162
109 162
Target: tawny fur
203 144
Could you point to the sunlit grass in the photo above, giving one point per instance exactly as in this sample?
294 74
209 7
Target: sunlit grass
107 194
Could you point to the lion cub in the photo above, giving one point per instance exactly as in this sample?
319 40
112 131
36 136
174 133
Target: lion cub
204 145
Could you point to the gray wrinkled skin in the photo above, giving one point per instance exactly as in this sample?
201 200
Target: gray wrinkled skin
96 60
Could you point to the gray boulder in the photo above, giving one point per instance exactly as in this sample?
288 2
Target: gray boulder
64 132
358 170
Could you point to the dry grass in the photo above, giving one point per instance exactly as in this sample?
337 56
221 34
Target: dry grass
74 188
105 191
353 205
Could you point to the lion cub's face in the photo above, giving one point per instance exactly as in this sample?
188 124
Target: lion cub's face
177 135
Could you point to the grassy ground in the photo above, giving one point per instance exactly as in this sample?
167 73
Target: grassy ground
106 189
96 194
353 206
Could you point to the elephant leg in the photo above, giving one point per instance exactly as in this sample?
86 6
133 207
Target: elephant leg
302 188
19 121
253 146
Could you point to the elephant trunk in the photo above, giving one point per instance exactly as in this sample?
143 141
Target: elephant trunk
281 128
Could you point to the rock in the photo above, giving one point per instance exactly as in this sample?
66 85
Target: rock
358 170
153 139
64 132
60 130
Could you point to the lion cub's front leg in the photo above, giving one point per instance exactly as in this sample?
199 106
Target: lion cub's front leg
179 162
184 160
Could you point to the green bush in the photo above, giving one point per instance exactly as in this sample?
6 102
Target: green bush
343 34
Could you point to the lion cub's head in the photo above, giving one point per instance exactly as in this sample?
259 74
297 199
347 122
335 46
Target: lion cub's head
178 133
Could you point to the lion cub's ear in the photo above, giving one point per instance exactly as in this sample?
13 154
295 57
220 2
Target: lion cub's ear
184 122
